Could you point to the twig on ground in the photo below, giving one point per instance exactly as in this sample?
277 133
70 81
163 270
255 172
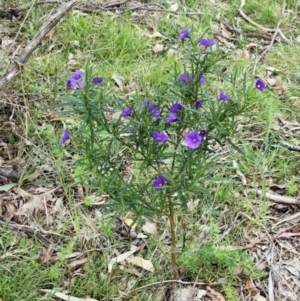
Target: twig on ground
281 199
14 10
249 20
15 68
9 173
20 27
290 146
274 35
238 31
105 7
287 219
174 281
27 228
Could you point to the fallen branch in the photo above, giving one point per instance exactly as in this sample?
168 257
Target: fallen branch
290 146
27 229
99 8
273 30
15 68
287 219
274 34
238 31
15 10
281 199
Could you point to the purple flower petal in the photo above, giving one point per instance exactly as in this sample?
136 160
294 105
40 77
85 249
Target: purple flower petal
172 118
65 136
77 75
159 182
198 104
76 80
126 112
175 107
193 140
71 83
207 42
224 97
203 134
260 85
184 34
186 78
97 80
160 137
202 80
81 84
152 108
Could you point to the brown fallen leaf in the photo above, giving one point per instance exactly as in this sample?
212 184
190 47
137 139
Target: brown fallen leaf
149 228
141 262
187 294
76 263
46 258
286 234
253 290
121 257
214 295
119 80
130 223
66 297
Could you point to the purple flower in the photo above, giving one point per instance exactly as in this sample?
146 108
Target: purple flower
260 85
224 97
65 136
159 182
172 118
207 42
202 80
184 34
152 108
160 137
71 83
193 140
77 75
186 78
76 80
97 80
126 112
198 104
175 107
203 134
145 103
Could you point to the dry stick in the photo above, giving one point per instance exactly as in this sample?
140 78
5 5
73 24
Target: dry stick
274 35
249 20
15 68
287 219
27 229
105 7
238 31
275 197
290 146
20 28
10 10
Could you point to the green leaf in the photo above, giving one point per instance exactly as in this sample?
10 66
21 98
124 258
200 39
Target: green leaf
7 186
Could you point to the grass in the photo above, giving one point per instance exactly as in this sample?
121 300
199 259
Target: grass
122 46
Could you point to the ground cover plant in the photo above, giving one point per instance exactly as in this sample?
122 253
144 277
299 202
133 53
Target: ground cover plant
149 152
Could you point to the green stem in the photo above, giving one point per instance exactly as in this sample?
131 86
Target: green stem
173 239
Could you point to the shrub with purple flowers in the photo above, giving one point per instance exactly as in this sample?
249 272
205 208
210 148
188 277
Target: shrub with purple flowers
166 139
